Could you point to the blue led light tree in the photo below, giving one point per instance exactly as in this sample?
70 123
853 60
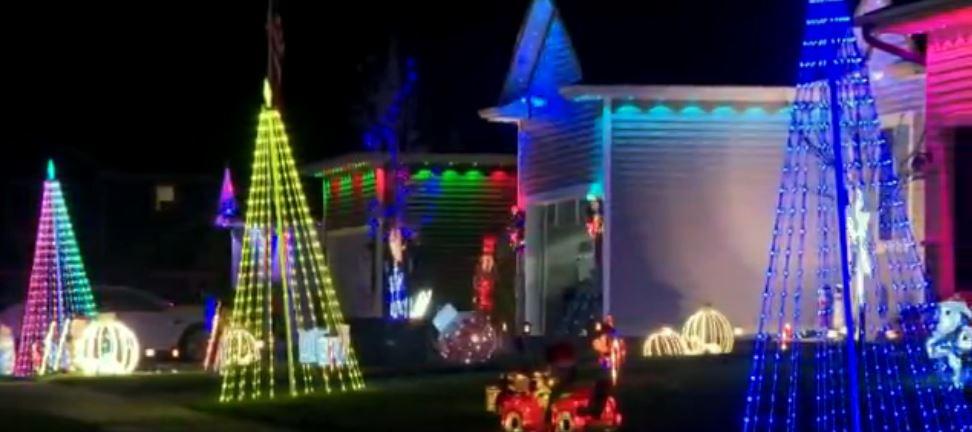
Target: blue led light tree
383 136
844 269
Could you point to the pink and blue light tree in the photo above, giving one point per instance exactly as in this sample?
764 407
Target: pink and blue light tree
59 290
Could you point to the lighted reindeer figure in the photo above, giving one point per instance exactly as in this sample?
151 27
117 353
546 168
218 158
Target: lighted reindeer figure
952 337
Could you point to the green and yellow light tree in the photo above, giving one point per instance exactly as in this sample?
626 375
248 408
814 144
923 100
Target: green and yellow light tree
286 330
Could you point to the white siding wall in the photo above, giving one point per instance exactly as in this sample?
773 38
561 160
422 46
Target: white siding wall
559 152
694 191
899 95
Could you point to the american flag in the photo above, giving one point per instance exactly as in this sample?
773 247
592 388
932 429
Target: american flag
275 52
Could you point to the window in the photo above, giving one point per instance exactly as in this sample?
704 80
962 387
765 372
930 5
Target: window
899 134
567 213
164 196
887 191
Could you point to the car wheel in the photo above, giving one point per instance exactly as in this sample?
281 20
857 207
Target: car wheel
513 422
565 422
192 346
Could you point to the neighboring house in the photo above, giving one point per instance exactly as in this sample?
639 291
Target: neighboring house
929 98
155 232
453 201
683 142
148 231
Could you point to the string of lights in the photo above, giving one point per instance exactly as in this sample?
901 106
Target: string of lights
284 286
383 136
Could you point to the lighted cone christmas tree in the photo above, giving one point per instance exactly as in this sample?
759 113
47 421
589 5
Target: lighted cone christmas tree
286 329
59 290
845 276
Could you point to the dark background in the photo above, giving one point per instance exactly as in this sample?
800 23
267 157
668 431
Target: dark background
126 96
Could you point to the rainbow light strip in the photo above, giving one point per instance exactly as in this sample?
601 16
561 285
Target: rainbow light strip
273 307
59 289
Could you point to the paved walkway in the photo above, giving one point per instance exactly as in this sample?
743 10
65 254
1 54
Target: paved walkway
114 413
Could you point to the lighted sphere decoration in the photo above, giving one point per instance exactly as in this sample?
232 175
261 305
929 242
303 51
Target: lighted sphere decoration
472 340
708 331
238 347
107 347
664 343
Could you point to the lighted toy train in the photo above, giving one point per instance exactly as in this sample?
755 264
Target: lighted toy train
522 404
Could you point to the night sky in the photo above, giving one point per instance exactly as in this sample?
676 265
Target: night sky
171 88
174 87
162 86
141 91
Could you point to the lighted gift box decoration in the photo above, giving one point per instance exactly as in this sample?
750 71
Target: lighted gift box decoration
320 347
419 304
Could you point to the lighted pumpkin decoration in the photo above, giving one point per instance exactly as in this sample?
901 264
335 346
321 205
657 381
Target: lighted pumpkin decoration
238 347
708 331
664 343
107 347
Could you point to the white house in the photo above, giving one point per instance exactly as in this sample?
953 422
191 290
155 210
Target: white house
688 167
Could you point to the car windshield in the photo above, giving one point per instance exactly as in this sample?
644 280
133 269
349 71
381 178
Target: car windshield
122 299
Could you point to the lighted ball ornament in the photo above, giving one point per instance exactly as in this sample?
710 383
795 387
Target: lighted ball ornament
466 337
473 341
107 347
710 330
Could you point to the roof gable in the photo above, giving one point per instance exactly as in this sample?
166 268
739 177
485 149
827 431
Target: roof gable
543 58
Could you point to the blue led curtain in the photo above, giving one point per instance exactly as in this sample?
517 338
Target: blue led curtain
844 268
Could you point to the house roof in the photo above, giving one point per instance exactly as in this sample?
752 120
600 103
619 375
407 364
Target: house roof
919 16
701 42
317 169
741 94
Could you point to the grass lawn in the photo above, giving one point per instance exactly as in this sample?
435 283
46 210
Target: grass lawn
682 394
677 394
16 419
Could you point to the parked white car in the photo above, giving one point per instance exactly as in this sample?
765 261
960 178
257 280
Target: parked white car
164 330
